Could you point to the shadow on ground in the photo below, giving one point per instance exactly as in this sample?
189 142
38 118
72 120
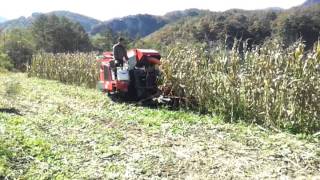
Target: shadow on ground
10 111
169 103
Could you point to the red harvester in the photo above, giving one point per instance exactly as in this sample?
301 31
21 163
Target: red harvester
136 80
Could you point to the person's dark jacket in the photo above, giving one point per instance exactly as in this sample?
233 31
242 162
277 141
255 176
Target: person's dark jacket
119 52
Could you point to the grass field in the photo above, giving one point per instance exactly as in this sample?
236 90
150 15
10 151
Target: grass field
51 130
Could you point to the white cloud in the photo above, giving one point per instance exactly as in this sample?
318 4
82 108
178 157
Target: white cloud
103 9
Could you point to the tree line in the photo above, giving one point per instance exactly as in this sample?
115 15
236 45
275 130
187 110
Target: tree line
54 34
50 33
253 27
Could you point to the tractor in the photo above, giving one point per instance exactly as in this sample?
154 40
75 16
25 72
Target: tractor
136 80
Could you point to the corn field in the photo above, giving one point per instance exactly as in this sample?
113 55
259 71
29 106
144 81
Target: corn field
78 68
269 85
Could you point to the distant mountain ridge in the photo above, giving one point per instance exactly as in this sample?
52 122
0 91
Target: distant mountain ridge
135 25
23 22
308 3
177 15
87 22
255 26
139 25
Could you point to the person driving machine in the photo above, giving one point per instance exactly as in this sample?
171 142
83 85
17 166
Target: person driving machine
120 53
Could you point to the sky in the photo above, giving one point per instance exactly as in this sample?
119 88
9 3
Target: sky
106 9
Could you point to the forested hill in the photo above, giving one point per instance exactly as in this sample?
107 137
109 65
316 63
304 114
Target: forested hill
138 25
214 26
201 25
310 3
178 15
144 24
87 22
23 22
254 26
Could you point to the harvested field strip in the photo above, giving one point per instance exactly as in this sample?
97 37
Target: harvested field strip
63 131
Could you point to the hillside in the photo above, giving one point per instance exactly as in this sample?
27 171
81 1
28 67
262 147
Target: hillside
254 26
310 3
50 130
142 25
136 26
214 26
87 22
23 22
177 15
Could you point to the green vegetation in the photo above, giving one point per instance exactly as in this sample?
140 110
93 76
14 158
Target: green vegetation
48 33
18 47
105 40
78 68
213 27
270 85
251 26
56 35
265 84
135 26
61 31
70 132
194 25
19 23
26 22
5 62
299 23
87 23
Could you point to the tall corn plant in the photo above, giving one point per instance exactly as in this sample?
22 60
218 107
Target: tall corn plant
76 68
271 85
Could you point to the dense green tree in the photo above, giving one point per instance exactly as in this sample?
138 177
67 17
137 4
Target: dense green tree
5 62
226 26
18 47
20 53
250 26
134 26
54 34
103 41
299 23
